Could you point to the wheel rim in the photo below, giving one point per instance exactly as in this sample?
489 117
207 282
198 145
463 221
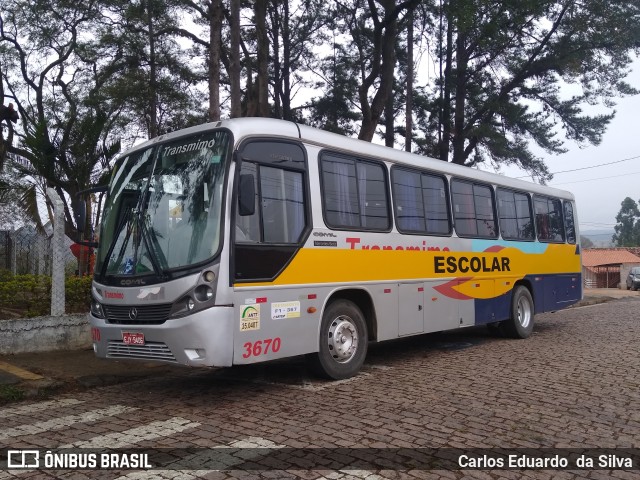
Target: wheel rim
342 339
524 312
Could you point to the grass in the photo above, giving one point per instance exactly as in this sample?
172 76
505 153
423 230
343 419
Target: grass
10 393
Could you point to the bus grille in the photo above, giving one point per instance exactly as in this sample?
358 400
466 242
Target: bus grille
143 315
148 351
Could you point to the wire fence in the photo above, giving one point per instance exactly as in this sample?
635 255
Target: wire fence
32 283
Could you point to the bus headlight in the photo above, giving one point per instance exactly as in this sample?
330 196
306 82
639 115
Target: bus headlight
203 293
96 309
183 306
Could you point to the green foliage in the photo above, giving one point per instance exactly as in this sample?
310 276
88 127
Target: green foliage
506 68
10 393
507 75
628 226
78 294
30 295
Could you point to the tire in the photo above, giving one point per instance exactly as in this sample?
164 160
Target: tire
343 341
520 325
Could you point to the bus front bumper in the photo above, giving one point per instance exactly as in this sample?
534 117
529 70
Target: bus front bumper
204 339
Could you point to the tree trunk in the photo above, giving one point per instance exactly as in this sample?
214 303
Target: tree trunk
461 90
286 65
445 122
153 81
277 66
389 134
409 102
215 44
234 70
263 58
382 69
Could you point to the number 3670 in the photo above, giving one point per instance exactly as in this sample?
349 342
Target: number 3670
261 347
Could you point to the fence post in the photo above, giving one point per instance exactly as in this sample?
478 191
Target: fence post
13 240
57 246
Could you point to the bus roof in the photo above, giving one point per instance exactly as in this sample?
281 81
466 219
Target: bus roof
246 127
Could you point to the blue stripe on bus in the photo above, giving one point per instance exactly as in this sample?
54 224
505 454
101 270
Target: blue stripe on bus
526 247
550 292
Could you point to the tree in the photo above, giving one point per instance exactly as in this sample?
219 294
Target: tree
293 33
150 74
628 227
505 68
586 242
374 35
67 134
335 110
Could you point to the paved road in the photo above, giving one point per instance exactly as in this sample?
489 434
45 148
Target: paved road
574 384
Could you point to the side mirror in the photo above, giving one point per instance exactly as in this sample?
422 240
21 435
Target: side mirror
80 210
80 213
246 195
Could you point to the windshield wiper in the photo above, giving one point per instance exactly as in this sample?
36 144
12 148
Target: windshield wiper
158 261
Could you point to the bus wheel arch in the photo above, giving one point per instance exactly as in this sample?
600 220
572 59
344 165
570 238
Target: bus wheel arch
346 327
522 313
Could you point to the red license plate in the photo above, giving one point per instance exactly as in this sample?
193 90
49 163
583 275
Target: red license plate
131 338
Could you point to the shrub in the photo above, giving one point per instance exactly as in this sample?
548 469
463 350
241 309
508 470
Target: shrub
30 295
78 294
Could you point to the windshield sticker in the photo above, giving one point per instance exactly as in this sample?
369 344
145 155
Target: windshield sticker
127 268
216 158
190 147
281 310
249 317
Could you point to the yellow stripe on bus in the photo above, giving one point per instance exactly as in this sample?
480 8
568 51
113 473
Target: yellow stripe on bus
348 266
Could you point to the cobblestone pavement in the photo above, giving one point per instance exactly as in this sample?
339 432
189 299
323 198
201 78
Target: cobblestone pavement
573 385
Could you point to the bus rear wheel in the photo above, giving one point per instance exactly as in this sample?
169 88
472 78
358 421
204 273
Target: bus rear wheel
343 341
520 325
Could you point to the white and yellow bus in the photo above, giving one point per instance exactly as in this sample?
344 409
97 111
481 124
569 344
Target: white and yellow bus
252 239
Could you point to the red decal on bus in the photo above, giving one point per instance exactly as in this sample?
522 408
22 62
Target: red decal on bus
261 347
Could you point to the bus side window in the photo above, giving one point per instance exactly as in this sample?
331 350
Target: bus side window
279 210
420 201
473 210
248 226
514 210
409 202
282 201
354 193
569 222
549 219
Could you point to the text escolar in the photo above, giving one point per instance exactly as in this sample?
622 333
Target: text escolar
470 264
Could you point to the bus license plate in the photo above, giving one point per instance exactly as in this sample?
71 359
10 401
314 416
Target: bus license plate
131 338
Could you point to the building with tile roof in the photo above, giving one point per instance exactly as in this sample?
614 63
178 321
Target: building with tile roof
607 267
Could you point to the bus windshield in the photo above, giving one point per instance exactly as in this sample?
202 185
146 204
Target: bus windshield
164 207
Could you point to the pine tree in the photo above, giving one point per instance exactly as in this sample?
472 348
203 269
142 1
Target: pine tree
628 227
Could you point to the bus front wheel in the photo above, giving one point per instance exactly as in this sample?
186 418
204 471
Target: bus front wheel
343 341
520 325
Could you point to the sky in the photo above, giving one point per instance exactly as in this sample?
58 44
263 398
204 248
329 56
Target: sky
599 191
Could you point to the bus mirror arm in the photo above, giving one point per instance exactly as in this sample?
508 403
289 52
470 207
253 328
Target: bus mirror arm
246 195
87 244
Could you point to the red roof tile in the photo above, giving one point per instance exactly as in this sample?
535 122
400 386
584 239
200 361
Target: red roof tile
604 256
